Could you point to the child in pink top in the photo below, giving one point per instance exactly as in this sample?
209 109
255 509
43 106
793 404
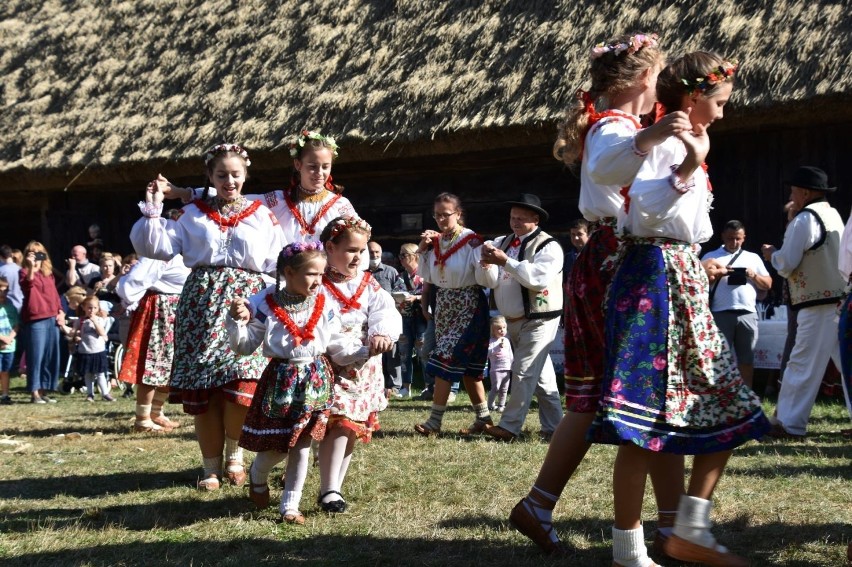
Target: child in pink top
500 359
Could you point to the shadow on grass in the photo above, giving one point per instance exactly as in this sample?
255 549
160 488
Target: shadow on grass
87 486
353 550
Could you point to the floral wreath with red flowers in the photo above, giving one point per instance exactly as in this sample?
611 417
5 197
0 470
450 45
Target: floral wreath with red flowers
219 149
345 223
720 74
296 248
631 46
306 136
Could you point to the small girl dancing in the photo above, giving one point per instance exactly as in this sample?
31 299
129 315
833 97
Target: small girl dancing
671 385
369 319
500 359
90 333
296 326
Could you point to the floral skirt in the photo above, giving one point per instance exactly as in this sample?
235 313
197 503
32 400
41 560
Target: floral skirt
584 319
845 330
150 343
203 360
291 400
671 383
359 388
461 334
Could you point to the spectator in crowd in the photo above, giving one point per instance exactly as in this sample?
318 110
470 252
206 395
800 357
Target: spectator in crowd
808 259
413 321
528 267
40 316
389 279
104 286
9 270
733 297
95 240
579 231
8 332
80 270
18 256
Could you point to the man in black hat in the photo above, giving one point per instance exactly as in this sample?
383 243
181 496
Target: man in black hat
808 259
529 295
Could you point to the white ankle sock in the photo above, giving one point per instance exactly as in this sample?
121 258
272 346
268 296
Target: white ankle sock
481 410
143 412
262 465
212 465
628 548
436 417
233 454
693 522
298 460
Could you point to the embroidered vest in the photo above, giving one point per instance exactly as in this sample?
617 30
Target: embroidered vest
547 303
816 280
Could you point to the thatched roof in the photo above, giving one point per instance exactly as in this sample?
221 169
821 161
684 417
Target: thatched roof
113 84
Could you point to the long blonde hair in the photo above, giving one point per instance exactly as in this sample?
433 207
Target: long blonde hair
612 73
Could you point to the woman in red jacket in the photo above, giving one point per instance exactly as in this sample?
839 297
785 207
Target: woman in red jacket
39 317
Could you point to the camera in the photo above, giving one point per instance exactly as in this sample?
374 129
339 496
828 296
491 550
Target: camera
737 276
40 256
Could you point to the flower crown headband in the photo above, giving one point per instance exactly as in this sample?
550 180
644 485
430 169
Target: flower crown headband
632 45
720 74
298 247
219 149
345 223
306 136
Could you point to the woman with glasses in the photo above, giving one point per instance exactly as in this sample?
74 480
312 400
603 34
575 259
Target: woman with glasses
449 260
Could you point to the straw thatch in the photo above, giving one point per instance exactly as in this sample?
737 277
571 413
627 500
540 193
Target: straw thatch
112 84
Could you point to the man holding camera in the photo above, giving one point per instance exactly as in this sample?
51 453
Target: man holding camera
80 270
733 297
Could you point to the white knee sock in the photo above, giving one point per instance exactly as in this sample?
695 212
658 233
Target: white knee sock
332 456
262 466
102 384
628 548
90 385
233 454
298 460
693 522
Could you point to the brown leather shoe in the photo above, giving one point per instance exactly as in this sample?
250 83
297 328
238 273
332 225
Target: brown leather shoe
477 427
426 430
679 548
523 520
778 432
501 434
293 518
236 478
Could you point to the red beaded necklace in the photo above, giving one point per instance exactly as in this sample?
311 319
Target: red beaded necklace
347 303
297 214
226 222
299 335
442 257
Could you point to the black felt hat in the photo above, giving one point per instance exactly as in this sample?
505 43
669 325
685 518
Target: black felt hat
531 202
809 177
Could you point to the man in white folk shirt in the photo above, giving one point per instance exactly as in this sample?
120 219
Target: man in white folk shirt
809 260
529 296
733 297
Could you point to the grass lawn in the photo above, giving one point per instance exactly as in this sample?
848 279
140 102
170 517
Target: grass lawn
113 497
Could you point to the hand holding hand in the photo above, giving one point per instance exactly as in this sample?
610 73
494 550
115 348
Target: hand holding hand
426 240
380 344
767 250
239 310
492 255
671 124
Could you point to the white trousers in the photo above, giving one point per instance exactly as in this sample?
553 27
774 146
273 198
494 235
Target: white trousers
532 374
816 342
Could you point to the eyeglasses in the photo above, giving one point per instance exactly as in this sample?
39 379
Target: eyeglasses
442 216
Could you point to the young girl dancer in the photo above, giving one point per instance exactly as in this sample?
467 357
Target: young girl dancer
449 259
151 290
311 200
369 318
611 147
671 385
499 364
296 326
90 334
228 243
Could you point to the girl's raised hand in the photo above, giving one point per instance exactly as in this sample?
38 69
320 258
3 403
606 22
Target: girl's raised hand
154 191
697 142
671 124
239 310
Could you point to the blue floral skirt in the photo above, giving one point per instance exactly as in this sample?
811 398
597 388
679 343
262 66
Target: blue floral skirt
461 334
845 330
670 381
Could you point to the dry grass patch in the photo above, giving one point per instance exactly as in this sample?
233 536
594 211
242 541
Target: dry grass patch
117 498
